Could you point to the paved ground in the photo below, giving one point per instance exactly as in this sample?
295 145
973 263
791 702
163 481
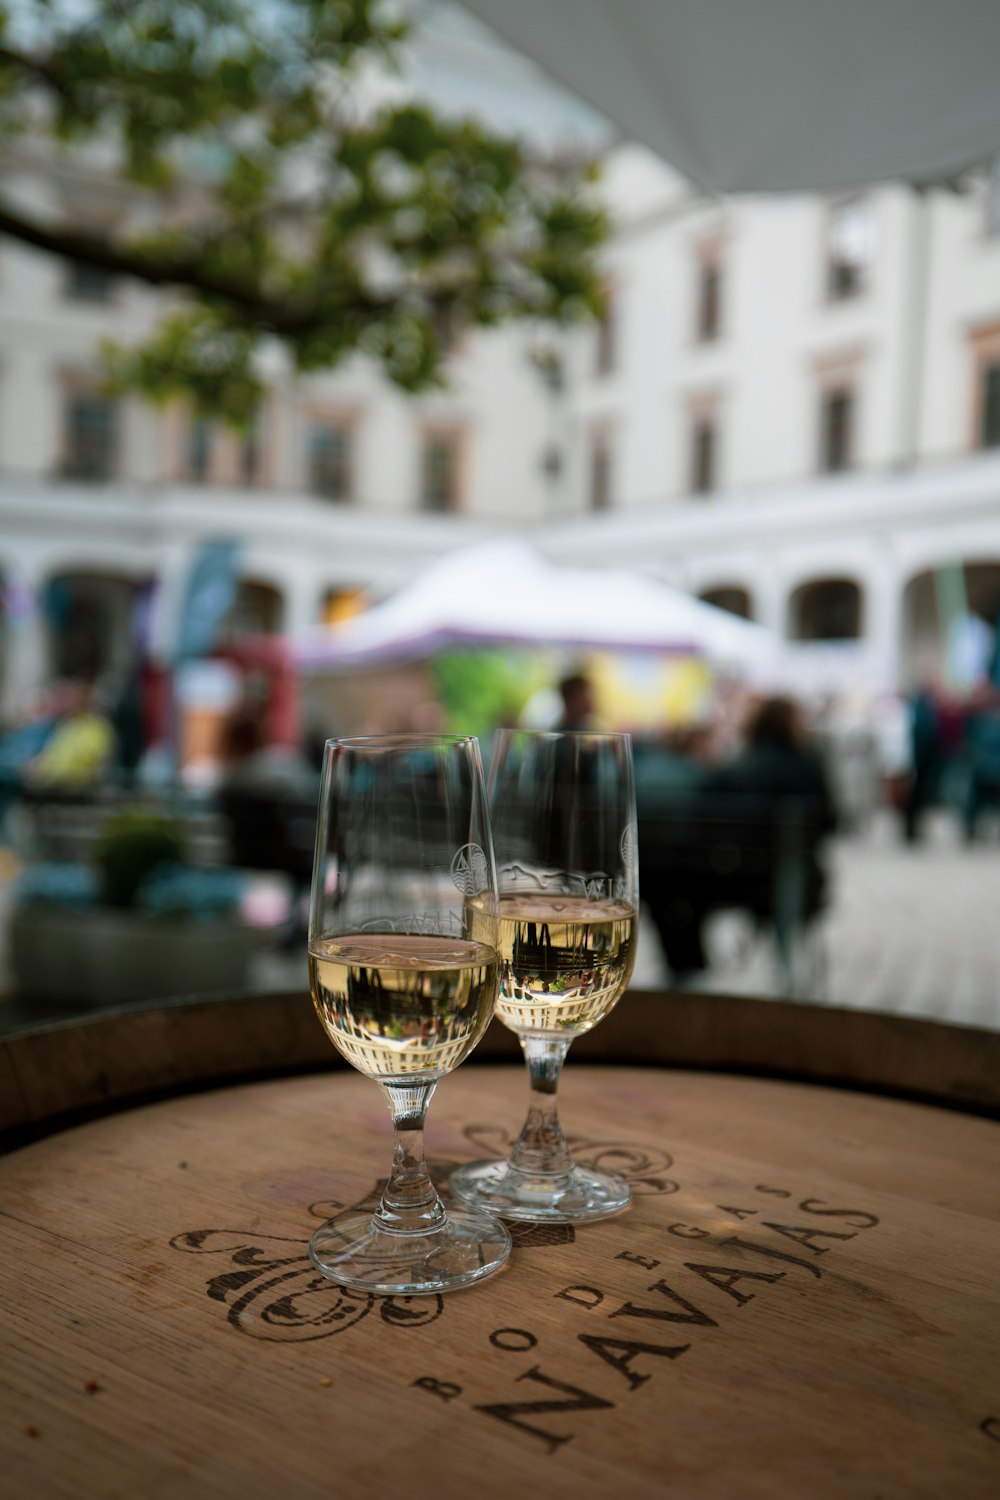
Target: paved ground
910 930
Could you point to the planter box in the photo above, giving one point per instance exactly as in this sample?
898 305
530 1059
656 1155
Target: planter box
105 957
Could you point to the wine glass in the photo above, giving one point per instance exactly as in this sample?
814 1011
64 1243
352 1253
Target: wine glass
402 985
563 811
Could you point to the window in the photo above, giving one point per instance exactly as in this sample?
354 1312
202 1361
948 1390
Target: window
448 328
600 471
214 454
836 431
249 457
89 437
331 460
828 609
547 360
708 314
989 421
551 462
605 352
199 450
86 283
340 605
439 472
849 250
88 616
984 386
730 597
703 454
258 609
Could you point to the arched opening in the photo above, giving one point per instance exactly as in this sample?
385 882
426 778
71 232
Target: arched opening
825 609
982 588
258 609
732 598
90 624
949 622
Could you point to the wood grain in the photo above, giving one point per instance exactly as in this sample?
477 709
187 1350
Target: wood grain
802 1300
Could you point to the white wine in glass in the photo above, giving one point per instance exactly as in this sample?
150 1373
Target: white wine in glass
403 985
563 811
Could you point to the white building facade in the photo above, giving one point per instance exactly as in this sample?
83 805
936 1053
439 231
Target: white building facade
792 408
801 414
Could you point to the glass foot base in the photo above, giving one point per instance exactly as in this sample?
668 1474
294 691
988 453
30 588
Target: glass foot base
353 1251
569 1198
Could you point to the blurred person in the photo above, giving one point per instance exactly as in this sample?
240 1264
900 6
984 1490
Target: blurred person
578 702
778 760
670 773
671 764
267 794
568 828
250 763
78 753
128 721
928 744
781 806
982 754
21 744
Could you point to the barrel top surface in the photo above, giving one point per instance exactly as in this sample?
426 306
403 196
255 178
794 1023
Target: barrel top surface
802 1299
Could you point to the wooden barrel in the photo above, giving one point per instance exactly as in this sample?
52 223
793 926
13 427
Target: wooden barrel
56 1073
802 1300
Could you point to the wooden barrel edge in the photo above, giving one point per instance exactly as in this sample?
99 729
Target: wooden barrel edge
924 1060
58 1074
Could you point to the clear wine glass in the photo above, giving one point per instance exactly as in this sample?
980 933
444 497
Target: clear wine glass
563 812
403 986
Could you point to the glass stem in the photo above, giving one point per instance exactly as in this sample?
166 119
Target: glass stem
541 1147
410 1203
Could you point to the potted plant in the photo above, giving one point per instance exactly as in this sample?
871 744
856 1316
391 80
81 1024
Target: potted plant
137 923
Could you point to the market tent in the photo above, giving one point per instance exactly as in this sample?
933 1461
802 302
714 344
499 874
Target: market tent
506 593
758 95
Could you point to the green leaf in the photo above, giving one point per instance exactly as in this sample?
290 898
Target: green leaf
284 210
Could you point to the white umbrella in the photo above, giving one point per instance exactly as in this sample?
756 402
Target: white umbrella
754 95
506 593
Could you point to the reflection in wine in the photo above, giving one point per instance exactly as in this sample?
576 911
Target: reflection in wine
565 960
403 1005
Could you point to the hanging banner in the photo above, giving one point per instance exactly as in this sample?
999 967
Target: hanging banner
209 592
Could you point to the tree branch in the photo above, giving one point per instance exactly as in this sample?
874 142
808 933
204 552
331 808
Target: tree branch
38 68
285 318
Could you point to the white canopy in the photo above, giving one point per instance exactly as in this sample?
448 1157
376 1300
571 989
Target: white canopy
506 593
753 95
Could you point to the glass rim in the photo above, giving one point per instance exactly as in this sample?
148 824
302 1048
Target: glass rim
567 734
398 741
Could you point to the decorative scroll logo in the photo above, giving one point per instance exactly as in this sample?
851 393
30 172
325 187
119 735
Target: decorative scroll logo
470 869
275 1292
272 1290
629 845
